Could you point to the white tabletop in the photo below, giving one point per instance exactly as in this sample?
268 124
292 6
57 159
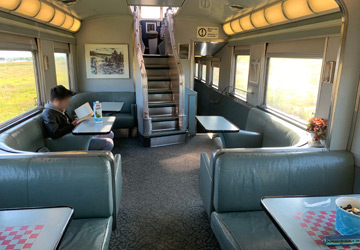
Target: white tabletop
297 216
89 127
112 106
34 228
216 124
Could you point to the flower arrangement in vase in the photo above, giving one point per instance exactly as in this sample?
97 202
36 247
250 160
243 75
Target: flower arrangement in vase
317 127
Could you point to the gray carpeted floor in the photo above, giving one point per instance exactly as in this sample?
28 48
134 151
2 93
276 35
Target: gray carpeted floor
161 207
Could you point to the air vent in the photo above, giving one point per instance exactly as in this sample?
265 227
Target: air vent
237 7
68 2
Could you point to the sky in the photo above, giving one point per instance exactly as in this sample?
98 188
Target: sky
14 54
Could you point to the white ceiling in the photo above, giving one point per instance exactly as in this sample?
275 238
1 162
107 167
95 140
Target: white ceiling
215 10
170 3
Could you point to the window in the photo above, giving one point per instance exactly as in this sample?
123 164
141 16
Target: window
241 75
196 70
203 72
292 86
215 77
17 84
62 70
150 12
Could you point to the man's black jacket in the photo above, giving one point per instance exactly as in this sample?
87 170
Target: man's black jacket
57 123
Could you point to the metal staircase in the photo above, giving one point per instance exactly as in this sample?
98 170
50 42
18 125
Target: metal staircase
162 89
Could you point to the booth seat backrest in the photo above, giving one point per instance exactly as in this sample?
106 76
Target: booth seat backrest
81 182
243 178
26 136
79 99
276 132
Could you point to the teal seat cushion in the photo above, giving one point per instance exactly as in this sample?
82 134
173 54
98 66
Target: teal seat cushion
27 136
247 231
275 131
123 120
126 118
86 234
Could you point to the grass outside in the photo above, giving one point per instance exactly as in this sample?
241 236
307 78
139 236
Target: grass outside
18 87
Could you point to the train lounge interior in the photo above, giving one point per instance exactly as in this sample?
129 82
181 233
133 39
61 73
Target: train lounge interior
179 124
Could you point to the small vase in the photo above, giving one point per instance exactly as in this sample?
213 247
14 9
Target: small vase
322 142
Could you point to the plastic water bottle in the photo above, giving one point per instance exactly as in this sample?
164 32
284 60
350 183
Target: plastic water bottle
98 112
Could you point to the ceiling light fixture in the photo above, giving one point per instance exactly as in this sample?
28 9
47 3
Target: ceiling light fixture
43 11
278 12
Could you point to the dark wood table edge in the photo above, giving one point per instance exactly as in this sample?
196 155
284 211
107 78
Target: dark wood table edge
36 208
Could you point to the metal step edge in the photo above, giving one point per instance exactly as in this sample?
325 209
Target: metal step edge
155 56
159 79
168 141
150 67
162 105
167 133
164 119
155 92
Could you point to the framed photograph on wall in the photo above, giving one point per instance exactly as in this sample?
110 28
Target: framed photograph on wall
329 72
107 61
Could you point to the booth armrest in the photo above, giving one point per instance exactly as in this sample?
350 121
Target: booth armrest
118 182
205 182
69 142
133 110
242 139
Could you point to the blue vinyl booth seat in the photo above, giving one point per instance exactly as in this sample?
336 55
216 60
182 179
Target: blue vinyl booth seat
126 118
242 177
264 130
83 180
31 135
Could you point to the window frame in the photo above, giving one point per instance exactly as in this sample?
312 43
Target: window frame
202 73
197 65
68 54
233 86
34 111
279 113
212 77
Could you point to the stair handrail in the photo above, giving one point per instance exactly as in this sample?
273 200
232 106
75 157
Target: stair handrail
176 70
147 125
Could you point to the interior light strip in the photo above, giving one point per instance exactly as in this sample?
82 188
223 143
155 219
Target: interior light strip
278 12
42 11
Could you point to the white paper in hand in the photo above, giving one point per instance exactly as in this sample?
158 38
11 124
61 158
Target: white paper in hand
84 111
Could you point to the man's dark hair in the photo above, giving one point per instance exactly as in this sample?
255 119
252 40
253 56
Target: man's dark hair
60 93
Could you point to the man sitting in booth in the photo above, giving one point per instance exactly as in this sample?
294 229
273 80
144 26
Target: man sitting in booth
58 123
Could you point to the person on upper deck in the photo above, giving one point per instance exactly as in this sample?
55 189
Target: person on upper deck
58 122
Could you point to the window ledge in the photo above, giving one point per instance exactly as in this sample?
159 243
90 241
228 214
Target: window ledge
241 98
284 117
19 119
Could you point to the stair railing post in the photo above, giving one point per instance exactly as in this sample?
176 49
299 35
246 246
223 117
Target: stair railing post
176 70
147 125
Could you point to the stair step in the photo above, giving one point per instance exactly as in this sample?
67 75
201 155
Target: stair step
161 104
164 118
167 133
158 79
155 56
157 66
159 91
